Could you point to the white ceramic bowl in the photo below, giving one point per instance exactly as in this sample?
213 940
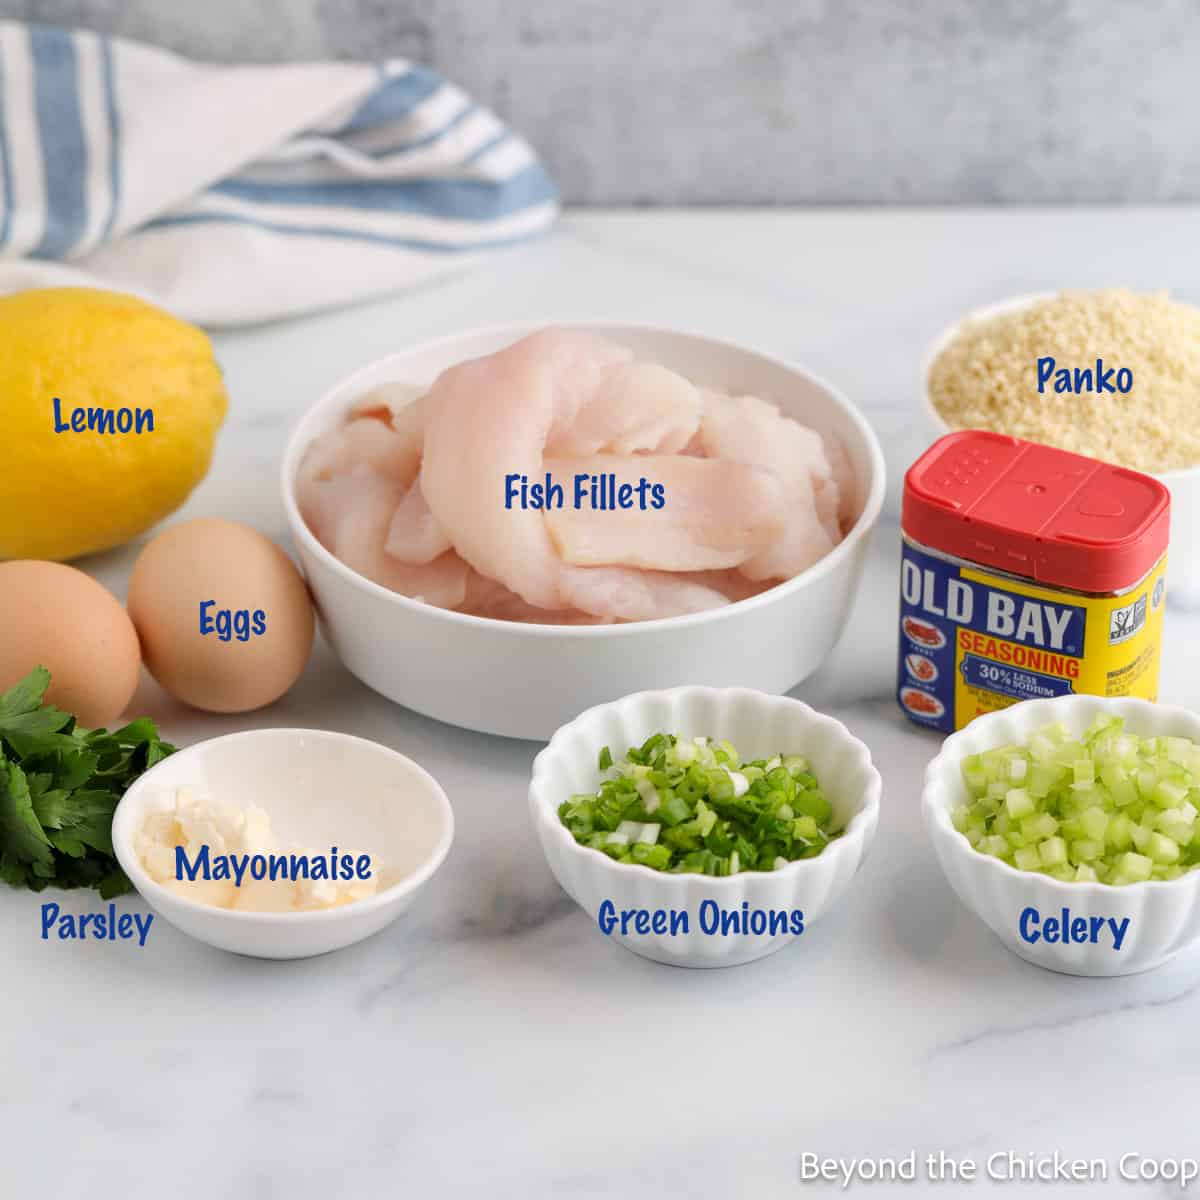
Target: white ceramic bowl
1164 917
525 680
1183 575
320 789
759 726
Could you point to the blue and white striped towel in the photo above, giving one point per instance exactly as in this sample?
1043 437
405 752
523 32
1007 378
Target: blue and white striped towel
233 194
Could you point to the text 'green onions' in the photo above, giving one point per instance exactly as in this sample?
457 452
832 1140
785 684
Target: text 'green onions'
689 805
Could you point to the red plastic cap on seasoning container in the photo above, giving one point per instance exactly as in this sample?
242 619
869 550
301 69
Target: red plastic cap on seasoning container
1031 510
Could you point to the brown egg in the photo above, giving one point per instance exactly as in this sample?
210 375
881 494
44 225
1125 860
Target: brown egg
57 617
224 616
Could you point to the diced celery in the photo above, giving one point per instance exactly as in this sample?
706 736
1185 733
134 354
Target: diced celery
1110 807
1134 867
1169 794
1112 774
1125 749
1027 858
1037 826
1052 851
1162 849
1176 823
974 775
1119 834
1124 793
1147 780
1180 750
1018 802
1042 747
1102 723
1094 823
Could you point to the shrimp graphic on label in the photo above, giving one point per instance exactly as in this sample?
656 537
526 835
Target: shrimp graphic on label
920 667
923 633
921 704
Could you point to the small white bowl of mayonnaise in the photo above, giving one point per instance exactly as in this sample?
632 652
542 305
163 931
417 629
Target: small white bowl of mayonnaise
282 843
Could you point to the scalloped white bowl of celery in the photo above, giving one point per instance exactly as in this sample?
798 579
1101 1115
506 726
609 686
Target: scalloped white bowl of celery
718 803
1070 826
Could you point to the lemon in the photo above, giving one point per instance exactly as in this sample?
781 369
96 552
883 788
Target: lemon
98 362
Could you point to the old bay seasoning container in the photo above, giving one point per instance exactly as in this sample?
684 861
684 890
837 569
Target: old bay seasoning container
1026 572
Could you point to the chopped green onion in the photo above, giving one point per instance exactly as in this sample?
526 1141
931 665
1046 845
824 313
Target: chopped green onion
690 805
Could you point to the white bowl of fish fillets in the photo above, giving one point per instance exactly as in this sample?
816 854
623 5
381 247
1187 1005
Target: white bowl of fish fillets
713 520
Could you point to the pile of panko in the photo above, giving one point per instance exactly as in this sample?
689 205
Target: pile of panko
410 490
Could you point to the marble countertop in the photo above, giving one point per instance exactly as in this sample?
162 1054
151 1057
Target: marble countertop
493 1042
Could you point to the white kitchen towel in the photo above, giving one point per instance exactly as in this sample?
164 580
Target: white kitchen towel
232 194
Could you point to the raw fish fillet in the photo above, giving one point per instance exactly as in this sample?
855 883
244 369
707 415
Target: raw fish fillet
843 476
410 491
637 406
614 593
626 594
732 584
360 520
328 503
401 407
393 403
492 417
363 440
408 421
414 536
442 583
749 430
717 514
489 418
487 598
833 477
350 515
578 363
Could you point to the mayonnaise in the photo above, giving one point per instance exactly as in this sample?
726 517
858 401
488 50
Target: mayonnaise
229 857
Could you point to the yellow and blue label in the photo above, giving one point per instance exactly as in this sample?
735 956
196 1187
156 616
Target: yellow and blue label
973 641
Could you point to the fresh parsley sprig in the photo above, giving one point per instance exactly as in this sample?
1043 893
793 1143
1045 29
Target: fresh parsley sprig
59 787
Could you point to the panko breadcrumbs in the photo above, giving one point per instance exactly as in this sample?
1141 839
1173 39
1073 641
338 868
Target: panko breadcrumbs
986 378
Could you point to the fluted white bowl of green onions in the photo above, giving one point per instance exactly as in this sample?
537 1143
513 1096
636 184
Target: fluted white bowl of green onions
1071 828
748 814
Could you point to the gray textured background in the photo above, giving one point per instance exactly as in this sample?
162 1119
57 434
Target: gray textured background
770 101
